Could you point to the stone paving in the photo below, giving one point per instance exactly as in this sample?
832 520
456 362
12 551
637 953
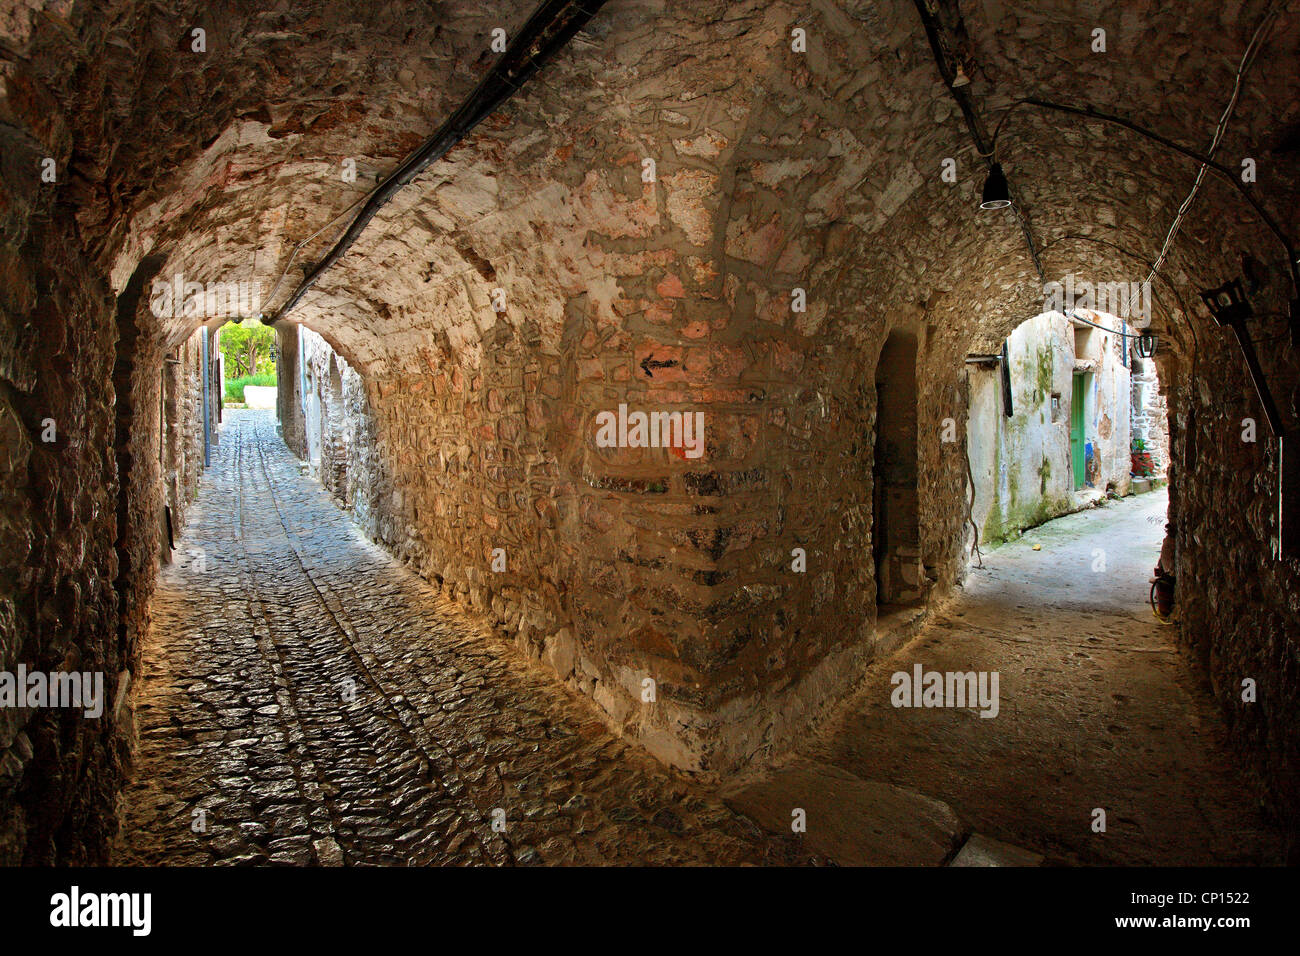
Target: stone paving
1099 709
307 700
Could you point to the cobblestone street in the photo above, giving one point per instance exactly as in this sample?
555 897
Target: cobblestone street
307 700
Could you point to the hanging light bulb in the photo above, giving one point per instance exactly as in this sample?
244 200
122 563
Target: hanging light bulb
997 194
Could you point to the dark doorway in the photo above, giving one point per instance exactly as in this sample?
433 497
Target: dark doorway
896 539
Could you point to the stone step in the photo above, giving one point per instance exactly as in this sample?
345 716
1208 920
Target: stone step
852 821
981 850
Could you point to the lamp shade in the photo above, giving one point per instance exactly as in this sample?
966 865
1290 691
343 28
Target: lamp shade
997 194
1228 304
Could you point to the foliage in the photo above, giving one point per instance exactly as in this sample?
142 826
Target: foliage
247 349
235 386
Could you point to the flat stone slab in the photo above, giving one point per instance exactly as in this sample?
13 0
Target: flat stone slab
852 821
981 850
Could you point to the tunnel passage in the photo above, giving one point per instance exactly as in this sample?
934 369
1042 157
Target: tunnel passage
795 208
373 723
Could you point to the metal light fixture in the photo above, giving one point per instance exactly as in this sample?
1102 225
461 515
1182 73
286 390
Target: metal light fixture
1146 345
1228 304
997 194
1229 307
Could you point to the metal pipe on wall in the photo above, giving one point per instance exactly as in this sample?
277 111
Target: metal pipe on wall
545 33
302 377
207 437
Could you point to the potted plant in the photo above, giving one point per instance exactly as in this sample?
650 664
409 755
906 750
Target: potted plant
1140 458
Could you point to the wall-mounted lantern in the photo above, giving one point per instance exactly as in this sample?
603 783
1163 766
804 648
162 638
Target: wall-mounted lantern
1229 306
1145 344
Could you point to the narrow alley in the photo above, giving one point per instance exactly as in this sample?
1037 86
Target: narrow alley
1098 708
306 699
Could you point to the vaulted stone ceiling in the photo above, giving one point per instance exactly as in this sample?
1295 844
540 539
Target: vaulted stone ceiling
775 169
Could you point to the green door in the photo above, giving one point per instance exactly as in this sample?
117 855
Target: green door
1076 429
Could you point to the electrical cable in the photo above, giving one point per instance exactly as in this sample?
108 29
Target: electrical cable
1246 60
546 32
1227 174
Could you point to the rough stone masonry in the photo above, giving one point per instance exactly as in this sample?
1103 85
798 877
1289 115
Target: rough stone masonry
687 211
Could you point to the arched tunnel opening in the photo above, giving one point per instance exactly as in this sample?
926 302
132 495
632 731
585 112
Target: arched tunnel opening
567 447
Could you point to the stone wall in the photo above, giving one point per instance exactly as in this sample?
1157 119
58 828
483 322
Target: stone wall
339 432
1238 603
183 427
1149 413
622 565
80 545
58 608
82 486
613 565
